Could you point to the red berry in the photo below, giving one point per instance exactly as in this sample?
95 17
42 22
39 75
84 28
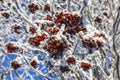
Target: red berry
15 65
47 7
85 65
71 60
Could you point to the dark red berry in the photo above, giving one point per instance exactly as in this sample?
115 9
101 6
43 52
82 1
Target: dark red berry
15 65
47 7
71 60
64 69
97 19
85 65
105 13
11 48
16 28
34 63
6 15
33 7
32 30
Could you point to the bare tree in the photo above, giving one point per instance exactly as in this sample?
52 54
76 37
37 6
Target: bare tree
60 39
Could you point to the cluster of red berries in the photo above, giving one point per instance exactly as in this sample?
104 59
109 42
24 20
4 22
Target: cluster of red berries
11 48
53 30
16 28
55 47
37 39
5 14
71 60
32 30
84 65
33 7
90 42
74 30
15 65
34 63
70 20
